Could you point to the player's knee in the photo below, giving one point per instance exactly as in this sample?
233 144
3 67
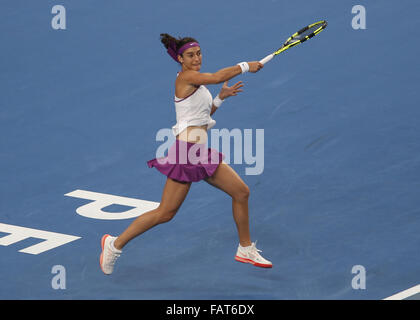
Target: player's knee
166 215
242 194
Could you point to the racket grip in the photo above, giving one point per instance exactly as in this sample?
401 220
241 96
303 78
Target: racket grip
267 58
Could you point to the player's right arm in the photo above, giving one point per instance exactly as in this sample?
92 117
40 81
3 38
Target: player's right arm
225 74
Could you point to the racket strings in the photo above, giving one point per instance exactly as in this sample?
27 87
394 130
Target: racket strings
299 37
305 33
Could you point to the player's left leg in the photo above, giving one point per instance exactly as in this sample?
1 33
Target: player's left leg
227 180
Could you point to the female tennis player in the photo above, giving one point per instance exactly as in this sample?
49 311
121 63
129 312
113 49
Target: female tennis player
194 107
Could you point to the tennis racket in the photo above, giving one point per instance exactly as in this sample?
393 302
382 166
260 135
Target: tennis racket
299 37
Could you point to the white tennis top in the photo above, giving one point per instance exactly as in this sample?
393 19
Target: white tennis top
193 110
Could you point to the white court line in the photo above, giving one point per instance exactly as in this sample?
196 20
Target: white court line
405 294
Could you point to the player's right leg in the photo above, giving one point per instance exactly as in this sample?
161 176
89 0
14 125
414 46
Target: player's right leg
174 194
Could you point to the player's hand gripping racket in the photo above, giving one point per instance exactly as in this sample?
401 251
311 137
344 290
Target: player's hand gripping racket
299 37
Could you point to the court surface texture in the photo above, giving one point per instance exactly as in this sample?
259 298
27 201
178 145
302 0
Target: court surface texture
334 205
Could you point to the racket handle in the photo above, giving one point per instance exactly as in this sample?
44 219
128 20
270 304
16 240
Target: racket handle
267 58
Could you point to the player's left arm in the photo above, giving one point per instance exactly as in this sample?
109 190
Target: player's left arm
226 92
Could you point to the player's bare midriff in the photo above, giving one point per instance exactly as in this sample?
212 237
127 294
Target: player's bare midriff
194 134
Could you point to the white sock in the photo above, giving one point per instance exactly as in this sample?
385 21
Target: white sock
112 246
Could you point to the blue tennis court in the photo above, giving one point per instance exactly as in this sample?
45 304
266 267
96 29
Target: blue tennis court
334 198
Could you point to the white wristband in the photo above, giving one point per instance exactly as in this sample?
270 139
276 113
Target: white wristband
217 101
244 66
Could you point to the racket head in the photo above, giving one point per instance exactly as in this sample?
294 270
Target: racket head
303 34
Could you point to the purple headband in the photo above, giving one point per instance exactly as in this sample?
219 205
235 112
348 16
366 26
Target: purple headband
174 53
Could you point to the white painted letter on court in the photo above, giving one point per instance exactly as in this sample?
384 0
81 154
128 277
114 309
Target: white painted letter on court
51 239
359 280
59 280
359 20
59 20
102 200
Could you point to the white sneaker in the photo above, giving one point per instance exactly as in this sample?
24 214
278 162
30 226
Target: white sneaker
250 255
109 254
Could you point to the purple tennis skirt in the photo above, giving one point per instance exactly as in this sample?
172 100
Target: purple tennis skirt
188 161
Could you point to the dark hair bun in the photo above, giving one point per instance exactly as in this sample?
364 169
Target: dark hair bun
166 39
